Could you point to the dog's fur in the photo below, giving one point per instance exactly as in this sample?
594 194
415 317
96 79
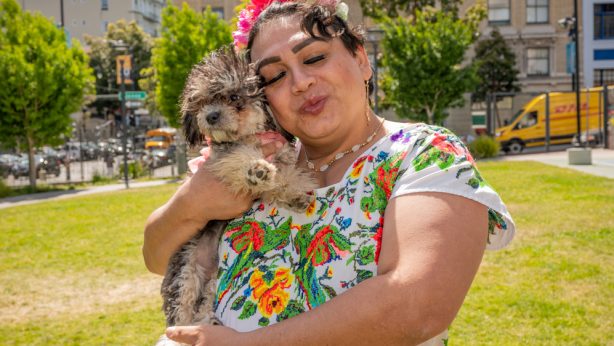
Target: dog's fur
223 101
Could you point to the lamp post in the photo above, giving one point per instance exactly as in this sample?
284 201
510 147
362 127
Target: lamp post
571 23
374 35
120 46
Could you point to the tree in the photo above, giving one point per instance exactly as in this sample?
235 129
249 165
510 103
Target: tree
44 81
394 8
422 60
186 37
102 54
496 66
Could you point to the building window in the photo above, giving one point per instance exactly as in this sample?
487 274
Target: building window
537 11
499 11
104 5
603 77
219 11
603 19
538 62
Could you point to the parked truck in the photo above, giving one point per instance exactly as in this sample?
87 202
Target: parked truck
528 127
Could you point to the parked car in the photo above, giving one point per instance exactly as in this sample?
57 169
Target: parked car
6 163
51 165
161 157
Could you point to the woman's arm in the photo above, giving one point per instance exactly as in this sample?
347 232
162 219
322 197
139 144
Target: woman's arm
432 247
200 199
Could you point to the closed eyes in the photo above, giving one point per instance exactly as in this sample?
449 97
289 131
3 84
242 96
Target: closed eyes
309 61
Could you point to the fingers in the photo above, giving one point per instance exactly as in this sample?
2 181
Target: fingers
270 149
187 335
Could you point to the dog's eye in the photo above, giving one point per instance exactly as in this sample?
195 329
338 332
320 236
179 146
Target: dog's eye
234 97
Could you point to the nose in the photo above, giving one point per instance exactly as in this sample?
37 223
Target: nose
213 117
301 81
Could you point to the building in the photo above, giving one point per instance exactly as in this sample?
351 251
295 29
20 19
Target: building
93 16
598 42
531 28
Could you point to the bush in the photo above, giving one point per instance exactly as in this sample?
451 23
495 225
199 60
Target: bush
135 170
484 147
5 191
98 178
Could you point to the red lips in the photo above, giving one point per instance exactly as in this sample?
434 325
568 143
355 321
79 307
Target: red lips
313 105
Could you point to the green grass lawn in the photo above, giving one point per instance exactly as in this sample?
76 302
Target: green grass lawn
71 271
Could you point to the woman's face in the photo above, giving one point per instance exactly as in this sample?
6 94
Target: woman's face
315 88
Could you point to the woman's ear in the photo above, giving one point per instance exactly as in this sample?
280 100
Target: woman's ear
363 63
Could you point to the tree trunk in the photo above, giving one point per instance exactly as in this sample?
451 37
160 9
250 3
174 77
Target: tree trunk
31 163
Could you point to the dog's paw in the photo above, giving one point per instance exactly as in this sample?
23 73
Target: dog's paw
261 173
300 202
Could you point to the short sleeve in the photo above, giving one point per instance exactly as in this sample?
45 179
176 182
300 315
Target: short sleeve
438 161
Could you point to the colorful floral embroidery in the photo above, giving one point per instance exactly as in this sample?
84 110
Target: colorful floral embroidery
276 264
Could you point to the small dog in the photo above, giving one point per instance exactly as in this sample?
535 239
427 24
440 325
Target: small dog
223 102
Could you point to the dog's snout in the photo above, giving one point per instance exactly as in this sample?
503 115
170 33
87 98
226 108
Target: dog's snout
213 117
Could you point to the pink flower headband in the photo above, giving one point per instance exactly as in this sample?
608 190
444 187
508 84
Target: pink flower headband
249 15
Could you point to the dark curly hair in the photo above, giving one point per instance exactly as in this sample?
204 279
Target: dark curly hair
318 21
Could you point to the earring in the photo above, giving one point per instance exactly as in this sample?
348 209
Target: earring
368 102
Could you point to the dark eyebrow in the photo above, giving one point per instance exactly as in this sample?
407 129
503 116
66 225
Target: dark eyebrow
265 62
303 44
274 59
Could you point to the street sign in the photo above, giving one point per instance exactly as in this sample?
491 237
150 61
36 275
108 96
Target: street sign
127 68
133 104
571 57
134 95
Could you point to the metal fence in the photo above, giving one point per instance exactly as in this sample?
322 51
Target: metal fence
521 120
108 167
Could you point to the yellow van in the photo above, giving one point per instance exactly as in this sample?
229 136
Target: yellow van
528 127
161 138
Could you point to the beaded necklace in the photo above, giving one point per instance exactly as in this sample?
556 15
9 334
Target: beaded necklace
338 156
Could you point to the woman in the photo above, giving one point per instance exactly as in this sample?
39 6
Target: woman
396 234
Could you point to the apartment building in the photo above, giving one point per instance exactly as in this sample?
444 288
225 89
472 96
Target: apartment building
531 28
598 42
93 16
226 8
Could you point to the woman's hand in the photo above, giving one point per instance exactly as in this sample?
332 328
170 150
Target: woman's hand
204 335
200 199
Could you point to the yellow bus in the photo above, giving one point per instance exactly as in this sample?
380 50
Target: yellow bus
160 138
528 127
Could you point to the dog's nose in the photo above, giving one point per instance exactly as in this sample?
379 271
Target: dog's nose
213 117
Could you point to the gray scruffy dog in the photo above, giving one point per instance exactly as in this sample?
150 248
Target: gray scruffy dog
223 102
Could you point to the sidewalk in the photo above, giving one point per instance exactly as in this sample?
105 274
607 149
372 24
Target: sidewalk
56 195
602 159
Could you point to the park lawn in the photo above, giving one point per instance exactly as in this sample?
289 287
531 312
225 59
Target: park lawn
71 271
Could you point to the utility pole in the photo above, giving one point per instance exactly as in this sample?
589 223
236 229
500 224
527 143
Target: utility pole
62 13
124 125
577 79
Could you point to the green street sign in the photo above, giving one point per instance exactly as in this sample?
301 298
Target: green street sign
134 95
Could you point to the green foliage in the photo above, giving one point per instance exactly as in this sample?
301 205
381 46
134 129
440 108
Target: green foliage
395 8
484 147
43 80
422 57
496 64
100 179
135 170
187 36
102 54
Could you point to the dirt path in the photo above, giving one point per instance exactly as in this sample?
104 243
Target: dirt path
46 298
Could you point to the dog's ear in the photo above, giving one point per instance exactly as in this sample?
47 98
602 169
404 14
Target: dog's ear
190 129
